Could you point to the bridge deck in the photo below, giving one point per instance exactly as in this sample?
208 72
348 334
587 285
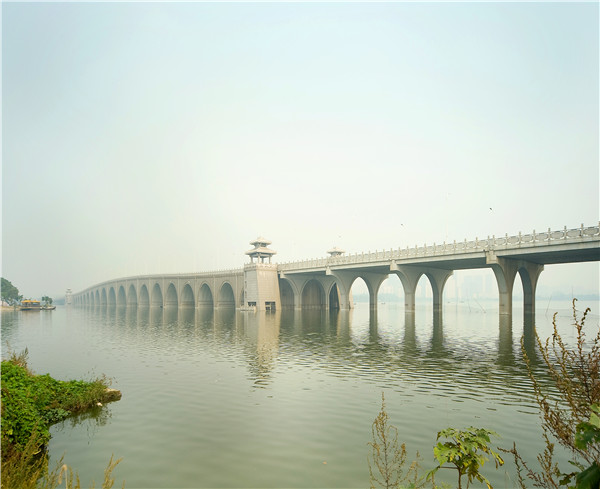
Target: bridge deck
551 247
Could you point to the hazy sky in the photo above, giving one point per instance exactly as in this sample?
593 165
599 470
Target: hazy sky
163 137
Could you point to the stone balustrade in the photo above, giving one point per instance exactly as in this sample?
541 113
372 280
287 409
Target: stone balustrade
456 247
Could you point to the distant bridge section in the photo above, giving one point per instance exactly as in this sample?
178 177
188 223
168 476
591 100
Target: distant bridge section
327 282
211 289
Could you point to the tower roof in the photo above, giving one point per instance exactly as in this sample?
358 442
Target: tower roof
335 251
260 241
260 251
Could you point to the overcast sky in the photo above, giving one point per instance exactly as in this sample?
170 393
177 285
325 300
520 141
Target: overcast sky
163 137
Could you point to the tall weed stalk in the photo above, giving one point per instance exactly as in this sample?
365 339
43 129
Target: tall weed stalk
574 372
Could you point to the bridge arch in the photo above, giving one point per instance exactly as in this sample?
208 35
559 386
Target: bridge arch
287 293
171 296
121 298
410 277
187 296
156 298
226 297
529 273
391 289
506 271
438 282
112 297
313 295
372 281
357 287
334 297
205 296
144 299
97 298
103 298
131 296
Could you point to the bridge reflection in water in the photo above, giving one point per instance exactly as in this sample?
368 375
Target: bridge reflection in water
352 340
283 389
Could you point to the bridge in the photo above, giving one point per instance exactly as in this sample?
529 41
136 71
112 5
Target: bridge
325 283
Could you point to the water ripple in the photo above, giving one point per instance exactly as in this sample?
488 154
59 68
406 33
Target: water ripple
233 400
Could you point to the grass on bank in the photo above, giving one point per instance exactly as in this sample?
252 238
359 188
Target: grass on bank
30 405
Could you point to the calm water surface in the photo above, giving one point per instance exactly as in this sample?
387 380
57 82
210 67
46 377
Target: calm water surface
230 399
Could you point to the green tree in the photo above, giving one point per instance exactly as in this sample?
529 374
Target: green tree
467 450
10 293
47 300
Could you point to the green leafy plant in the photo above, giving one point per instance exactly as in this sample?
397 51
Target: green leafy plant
30 404
467 450
587 434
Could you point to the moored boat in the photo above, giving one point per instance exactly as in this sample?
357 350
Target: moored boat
48 308
29 305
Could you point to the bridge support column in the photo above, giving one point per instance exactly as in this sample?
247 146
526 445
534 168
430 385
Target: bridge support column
505 270
344 282
346 279
409 276
530 272
373 281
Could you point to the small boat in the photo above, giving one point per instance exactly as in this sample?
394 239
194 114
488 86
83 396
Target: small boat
29 305
48 308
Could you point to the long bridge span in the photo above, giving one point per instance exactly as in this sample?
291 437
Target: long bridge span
326 282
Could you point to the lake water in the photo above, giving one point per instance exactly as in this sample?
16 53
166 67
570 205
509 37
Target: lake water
231 399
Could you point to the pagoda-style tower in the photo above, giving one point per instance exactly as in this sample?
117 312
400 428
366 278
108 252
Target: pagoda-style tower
260 250
335 251
261 282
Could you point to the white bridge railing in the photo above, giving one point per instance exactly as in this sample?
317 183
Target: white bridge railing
478 245
461 247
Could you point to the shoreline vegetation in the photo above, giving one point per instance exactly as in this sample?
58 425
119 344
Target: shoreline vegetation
570 419
30 405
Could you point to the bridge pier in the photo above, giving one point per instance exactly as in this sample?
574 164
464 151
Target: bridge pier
344 282
345 279
373 281
410 276
505 270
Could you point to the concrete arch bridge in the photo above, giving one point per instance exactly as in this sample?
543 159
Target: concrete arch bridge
325 283
215 289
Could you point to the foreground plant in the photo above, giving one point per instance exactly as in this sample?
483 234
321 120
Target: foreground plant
467 450
588 435
30 405
571 417
28 469
387 460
